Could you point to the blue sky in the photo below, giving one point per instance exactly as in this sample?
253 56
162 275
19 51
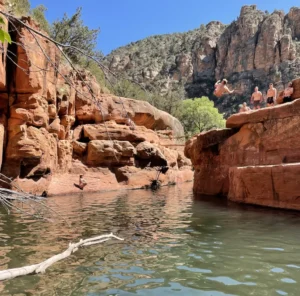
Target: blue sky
125 21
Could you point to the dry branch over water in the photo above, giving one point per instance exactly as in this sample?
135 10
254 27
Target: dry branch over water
41 267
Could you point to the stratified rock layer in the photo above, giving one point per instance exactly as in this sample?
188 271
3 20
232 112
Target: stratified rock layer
57 123
255 160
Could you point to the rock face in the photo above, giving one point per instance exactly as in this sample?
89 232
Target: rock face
256 49
255 160
57 123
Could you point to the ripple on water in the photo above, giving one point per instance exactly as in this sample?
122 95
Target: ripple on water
277 270
288 281
174 245
281 292
229 281
192 269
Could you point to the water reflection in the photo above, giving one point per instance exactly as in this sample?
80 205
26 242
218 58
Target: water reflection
174 245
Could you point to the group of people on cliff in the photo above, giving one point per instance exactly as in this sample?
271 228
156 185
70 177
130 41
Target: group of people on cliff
257 97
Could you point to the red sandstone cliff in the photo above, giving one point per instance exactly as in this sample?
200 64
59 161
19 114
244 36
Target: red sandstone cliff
51 131
256 160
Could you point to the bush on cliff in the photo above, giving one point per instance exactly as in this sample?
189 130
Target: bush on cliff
38 14
198 115
20 7
72 31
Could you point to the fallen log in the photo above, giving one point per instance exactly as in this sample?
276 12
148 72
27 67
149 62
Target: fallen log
41 267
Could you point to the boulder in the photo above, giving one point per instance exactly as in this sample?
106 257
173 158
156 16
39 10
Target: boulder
183 161
149 155
31 109
111 130
141 112
110 153
34 150
52 112
79 148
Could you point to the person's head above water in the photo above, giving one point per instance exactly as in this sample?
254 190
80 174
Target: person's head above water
224 81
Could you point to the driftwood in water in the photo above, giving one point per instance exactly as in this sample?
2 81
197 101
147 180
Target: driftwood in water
41 267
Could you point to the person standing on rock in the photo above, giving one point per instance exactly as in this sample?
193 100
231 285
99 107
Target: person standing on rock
271 95
287 94
256 98
221 88
244 108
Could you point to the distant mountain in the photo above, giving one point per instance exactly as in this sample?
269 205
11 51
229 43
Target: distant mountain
256 49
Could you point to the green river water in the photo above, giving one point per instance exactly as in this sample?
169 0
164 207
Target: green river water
174 244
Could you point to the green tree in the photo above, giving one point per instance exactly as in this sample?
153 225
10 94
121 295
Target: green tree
198 115
4 36
38 14
19 7
72 31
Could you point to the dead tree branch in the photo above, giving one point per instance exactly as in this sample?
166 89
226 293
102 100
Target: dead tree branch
41 267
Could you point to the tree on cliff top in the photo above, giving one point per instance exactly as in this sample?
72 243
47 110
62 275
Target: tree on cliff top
19 7
198 115
38 14
72 31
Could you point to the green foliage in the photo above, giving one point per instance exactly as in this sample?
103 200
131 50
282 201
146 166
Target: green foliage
72 31
95 70
127 89
200 115
38 14
4 36
20 7
170 102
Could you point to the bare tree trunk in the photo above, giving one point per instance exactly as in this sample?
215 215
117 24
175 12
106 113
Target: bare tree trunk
41 267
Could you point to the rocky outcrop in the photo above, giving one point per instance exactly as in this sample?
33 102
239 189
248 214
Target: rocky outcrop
57 123
255 160
256 49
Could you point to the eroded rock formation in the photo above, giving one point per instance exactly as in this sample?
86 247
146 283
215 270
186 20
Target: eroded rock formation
57 123
255 160
256 49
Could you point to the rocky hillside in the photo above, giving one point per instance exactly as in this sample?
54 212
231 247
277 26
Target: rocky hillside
56 123
255 49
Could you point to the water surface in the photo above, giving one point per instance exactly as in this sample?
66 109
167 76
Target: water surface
174 245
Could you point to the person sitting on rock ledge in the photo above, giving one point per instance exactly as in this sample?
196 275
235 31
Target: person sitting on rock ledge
287 94
256 98
271 95
221 88
82 182
244 108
